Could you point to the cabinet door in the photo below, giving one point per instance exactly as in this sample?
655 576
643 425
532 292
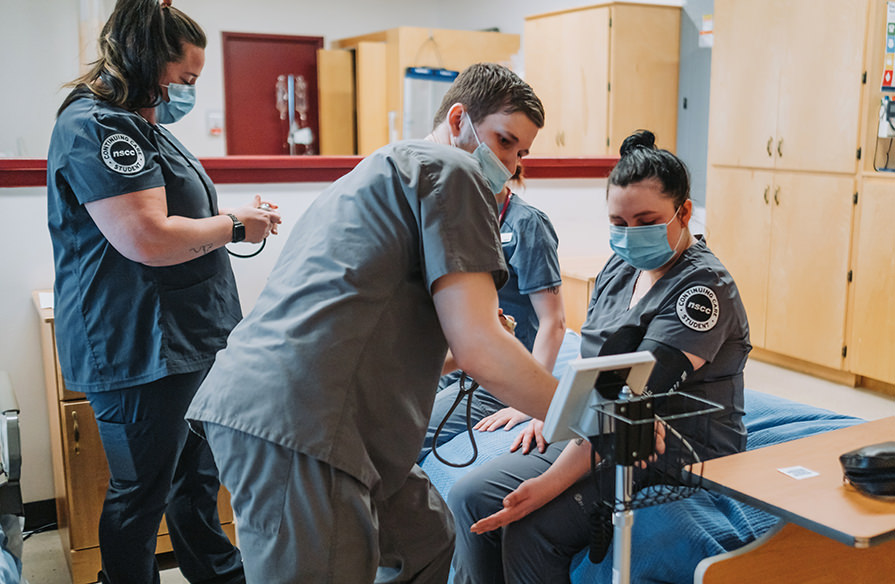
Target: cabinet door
807 283
819 103
584 66
87 477
543 40
872 342
738 227
87 473
745 80
645 45
567 64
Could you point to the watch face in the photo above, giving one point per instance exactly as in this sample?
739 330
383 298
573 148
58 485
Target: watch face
239 230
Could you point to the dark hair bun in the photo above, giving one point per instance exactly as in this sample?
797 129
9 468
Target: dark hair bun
640 139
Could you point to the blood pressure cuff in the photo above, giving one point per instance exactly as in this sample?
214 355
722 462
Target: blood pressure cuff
871 469
672 367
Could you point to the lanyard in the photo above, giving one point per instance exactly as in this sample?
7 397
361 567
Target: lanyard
503 210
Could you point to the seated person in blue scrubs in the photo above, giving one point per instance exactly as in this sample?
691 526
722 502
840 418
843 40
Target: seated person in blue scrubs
531 297
317 408
522 517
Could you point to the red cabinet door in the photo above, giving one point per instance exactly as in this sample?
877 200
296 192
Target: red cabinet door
252 64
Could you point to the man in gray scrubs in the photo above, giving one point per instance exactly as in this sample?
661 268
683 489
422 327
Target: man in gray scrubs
317 408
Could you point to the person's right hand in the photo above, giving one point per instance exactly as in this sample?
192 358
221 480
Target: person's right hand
529 496
505 418
532 434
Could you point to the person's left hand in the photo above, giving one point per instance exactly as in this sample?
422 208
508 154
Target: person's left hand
505 418
526 498
532 434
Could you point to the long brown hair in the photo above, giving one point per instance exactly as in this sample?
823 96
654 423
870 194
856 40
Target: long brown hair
136 44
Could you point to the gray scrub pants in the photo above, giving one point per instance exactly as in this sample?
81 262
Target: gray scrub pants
300 520
536 549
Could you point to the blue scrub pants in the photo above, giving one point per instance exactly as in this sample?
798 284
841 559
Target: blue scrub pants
302 521
158 466
483 404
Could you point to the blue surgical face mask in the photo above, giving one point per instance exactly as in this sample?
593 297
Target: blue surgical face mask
645 247
493 169
181 98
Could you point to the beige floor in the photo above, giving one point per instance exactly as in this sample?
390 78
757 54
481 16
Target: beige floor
45 563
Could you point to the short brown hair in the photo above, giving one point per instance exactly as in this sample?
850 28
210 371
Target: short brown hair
486 88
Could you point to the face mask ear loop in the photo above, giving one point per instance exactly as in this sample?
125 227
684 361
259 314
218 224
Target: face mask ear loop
472 127
679 237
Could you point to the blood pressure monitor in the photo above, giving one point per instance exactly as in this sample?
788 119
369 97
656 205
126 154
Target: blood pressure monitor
588 384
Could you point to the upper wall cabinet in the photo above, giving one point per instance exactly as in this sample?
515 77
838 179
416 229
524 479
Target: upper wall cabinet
786 84
603 72
381 60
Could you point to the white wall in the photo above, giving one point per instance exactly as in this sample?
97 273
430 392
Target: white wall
39 43
27 265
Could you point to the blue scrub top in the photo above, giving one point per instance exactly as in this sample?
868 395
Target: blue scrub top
530 249
120 323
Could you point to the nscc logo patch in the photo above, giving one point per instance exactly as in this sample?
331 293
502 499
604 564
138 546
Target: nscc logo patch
698 308
122 154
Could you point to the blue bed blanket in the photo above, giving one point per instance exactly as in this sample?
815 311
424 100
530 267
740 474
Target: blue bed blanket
669 540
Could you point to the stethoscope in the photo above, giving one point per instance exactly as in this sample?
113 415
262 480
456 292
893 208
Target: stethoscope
466 392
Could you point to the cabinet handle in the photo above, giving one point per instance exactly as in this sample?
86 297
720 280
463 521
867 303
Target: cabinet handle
77 432
767 189
780 147
776 198
770 143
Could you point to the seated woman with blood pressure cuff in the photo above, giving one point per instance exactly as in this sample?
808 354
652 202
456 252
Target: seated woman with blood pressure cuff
523 516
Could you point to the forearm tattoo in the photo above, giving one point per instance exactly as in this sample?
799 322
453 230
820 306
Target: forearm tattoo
202 249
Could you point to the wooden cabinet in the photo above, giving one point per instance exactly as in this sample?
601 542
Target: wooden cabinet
80 471
578 276
603 72
872 339
794 210
381 60
786 84
785 239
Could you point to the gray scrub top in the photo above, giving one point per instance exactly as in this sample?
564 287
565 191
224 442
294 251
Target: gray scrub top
530 248
696 308
341 355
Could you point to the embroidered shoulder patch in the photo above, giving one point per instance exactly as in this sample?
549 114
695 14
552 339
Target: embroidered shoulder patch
697 308
122 154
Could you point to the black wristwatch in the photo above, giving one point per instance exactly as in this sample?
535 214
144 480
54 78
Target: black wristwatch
239 230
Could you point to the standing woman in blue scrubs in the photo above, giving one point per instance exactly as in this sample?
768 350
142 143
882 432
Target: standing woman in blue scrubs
144 292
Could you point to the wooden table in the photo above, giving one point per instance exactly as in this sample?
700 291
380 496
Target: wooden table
830 533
